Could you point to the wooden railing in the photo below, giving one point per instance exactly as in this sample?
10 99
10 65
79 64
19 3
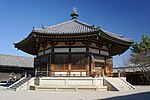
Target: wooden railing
60 67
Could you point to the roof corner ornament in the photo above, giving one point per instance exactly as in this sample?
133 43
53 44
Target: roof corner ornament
74 14
99 27
43 27
122 36
93 26
14 42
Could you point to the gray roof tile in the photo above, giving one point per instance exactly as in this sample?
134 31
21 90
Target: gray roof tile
69 27
16 61
75 26
121 37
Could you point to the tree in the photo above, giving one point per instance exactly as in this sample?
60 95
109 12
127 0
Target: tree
144 45
140 56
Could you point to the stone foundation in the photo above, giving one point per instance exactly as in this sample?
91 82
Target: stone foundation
71 83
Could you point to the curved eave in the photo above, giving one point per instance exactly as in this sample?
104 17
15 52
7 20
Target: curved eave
120 44
117 39
102 34
65 34
26 44
118 50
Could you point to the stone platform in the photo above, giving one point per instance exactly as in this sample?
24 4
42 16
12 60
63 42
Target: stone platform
77 83
71 83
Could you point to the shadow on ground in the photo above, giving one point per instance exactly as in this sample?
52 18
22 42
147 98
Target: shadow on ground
137 96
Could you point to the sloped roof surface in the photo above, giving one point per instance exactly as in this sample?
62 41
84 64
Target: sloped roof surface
69 27
16 61
76 26
121 37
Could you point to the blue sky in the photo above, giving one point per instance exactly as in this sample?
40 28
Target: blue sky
130 18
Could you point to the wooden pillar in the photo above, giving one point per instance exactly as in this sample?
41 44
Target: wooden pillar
90 64
69 69
48 64
104 68
52 58
52 61
69 60
87 66
89 58
69 56
44 45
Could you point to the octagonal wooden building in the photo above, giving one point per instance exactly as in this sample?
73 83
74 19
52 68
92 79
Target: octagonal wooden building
73 48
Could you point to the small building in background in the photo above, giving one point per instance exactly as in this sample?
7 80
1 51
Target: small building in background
14 67
134 75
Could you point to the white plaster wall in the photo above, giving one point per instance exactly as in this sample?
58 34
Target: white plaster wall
61 49
104 52
78 49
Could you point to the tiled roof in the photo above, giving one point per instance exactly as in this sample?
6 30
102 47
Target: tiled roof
76 26
16 61
132 68
69 27
121 37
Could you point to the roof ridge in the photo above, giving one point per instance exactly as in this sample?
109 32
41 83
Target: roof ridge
85 24
74 20
62 23
60 28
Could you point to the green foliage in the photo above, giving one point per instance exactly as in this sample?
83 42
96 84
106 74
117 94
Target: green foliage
135 48
144 45
140 56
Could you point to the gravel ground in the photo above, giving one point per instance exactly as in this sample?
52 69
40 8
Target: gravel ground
141 93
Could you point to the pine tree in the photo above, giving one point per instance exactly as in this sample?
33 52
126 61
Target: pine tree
140 55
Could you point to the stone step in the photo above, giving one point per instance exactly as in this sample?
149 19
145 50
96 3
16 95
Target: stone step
119 84
16 85
75 88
